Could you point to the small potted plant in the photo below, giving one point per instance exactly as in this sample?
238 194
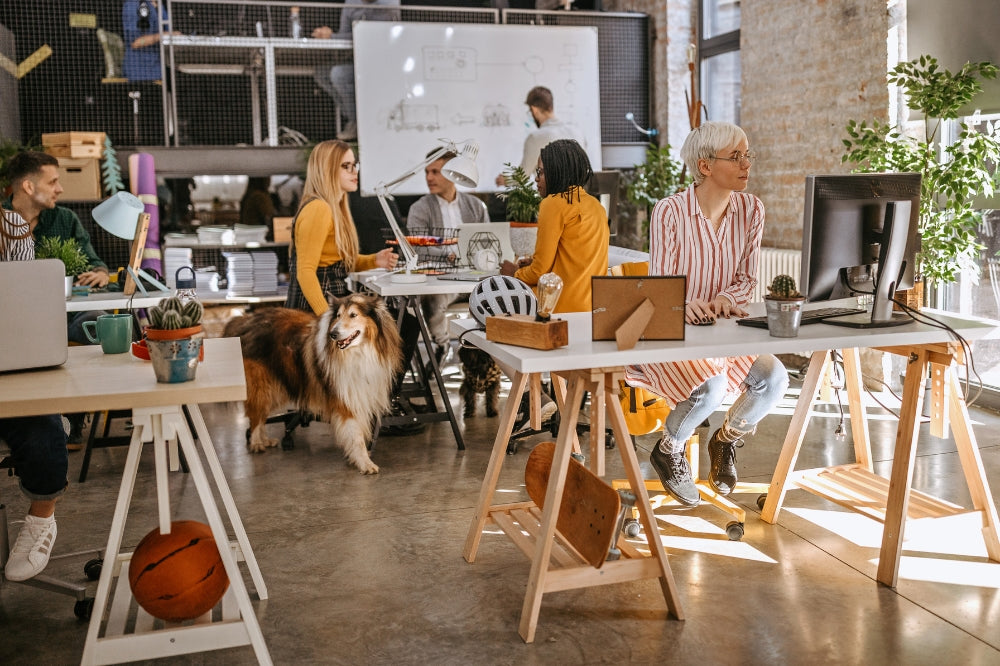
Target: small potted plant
67 251
522 201
174 338
784 307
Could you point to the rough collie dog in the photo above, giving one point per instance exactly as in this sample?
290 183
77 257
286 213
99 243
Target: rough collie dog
480 374
339 366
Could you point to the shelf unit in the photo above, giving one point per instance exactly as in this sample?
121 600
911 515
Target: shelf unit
204 255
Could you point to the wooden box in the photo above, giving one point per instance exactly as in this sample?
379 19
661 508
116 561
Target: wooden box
282 229
525 331
80 179
74 144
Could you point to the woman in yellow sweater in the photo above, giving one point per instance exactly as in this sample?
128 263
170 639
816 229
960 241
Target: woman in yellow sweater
572 227
324 240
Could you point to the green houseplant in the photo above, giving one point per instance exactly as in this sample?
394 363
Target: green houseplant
657 178
522 201
521 197
173 318
67 251
950 175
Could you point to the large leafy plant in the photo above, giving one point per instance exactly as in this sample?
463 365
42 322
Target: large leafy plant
521 197
951 175
656 178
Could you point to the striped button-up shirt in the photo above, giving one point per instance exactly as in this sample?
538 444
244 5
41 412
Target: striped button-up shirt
718 262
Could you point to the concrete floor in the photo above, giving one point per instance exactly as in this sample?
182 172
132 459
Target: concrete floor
369 570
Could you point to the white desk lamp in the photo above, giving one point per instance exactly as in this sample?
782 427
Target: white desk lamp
123 215
460 170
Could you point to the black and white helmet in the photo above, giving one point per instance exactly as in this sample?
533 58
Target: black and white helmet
500 294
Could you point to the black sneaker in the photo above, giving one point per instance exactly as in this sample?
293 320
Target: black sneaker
723 456
675 475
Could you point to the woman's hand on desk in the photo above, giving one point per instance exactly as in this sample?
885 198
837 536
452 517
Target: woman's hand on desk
725 308
386 259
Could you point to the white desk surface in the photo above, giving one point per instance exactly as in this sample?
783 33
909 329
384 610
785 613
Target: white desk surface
379 281
114 300
91 380
724 338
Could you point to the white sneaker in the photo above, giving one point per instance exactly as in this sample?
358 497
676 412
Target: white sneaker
32 549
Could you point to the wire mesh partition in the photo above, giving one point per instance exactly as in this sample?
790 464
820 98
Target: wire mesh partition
233 72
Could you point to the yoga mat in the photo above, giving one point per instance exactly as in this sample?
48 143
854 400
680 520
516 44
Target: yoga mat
142 180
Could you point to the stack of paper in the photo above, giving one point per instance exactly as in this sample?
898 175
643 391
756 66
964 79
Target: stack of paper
239 274
250 234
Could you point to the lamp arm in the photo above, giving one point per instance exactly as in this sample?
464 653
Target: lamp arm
387 187
409 256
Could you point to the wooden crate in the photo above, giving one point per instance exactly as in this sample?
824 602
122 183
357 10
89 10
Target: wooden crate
283 229
74 144
80 179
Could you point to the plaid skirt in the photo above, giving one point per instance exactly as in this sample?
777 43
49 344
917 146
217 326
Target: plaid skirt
332 280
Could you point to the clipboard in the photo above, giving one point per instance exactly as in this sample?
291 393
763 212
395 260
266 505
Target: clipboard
631 308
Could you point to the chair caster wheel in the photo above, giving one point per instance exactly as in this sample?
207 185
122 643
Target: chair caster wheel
287 443
83 609
92 569
609 442
761 499
631 528
734 531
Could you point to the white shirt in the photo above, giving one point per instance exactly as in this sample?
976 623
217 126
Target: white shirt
451 212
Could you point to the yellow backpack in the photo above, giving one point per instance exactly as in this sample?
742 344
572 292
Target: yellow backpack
645 412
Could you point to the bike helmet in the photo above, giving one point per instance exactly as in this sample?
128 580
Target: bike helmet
498 295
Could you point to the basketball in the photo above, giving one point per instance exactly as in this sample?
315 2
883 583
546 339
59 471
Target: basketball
178 576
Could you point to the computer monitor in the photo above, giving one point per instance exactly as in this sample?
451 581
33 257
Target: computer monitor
860 236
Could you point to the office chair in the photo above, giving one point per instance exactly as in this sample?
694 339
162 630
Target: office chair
92 569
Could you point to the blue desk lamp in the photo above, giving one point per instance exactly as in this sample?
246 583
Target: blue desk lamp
124 216
460 170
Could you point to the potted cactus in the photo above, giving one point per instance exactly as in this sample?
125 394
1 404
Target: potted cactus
174 339
174 319
784 307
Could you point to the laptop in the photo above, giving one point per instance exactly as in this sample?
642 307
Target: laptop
481 239
33 319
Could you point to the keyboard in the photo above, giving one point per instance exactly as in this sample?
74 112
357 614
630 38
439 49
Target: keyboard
808 316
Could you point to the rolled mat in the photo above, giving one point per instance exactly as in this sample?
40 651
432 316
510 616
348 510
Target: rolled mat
142 181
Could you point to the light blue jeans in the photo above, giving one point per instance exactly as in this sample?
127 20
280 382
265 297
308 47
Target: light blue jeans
338 83
763 387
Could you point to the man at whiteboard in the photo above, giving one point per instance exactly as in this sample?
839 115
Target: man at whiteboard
549 128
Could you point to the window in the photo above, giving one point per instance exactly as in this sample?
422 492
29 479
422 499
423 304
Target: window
719 51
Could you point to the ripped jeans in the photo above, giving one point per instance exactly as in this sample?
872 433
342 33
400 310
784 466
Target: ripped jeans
763 387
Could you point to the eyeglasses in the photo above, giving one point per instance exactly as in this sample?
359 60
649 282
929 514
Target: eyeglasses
539 172
350 166
749 157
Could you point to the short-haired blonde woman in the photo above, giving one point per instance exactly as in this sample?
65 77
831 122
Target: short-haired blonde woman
711 233
324 240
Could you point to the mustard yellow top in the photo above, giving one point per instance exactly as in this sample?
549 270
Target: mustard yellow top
315 247
572 243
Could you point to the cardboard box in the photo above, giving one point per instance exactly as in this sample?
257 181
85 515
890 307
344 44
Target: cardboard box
283 229
80 179
74 144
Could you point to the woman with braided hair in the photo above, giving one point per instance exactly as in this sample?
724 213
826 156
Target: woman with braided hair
573 232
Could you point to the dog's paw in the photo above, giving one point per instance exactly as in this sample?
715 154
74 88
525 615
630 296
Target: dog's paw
261 444
370 468
491 412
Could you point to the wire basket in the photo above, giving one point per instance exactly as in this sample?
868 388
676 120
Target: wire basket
436 248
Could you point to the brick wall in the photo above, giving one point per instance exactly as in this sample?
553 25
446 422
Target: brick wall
808 67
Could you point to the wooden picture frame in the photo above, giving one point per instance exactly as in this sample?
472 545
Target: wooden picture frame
615 299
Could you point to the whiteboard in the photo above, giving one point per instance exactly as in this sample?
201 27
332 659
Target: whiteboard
417 83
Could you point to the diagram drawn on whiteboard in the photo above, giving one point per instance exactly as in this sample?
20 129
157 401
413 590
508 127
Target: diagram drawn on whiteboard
422 83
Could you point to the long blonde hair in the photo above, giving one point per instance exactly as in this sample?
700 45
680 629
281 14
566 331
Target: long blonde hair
323 182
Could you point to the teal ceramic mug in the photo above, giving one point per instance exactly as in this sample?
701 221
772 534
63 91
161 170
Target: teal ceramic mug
112 331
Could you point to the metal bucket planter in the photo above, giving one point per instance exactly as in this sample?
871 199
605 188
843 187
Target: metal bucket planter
175 360
783 316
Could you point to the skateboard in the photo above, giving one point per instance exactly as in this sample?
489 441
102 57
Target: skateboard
588 516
